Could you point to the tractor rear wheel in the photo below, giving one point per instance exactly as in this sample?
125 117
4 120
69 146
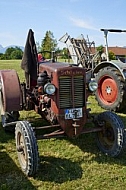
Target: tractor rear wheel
111 89
111 139
7 117
27 148
10 98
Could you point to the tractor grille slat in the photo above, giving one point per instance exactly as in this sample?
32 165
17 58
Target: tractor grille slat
78 91
65 92
71 91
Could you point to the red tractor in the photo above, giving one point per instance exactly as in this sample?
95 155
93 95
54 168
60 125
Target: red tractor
58 92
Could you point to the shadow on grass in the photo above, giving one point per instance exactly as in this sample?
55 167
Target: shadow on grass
5 136
11 177
58 170
87 143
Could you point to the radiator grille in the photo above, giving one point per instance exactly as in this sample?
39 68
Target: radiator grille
71 91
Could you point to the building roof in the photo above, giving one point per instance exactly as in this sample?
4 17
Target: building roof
120 51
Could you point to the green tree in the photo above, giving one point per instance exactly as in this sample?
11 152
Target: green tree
13 53
48 44
111 55
8 52
100 49
65 53
17 54
2 57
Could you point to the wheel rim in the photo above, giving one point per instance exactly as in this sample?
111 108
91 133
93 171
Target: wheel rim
107 90
107 137
22 153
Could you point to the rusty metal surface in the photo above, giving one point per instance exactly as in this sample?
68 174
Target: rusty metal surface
11 92
49 66
70 93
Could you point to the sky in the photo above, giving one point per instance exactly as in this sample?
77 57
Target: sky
74 17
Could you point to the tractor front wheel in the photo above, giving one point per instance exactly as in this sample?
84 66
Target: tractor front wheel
111 139
27 148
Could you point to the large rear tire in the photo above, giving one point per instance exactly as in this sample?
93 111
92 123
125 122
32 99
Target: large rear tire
111 89
111 139
27 148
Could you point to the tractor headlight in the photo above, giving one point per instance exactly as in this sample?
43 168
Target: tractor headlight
49 88
93 85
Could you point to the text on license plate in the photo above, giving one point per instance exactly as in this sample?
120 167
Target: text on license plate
73 113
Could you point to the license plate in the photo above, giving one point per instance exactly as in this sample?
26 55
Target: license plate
73 113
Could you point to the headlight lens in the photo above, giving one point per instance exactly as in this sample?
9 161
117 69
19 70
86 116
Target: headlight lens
49 88
93 85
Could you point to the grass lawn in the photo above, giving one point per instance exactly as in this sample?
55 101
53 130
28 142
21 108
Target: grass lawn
65 164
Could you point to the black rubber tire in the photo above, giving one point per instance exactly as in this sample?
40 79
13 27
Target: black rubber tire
111 139
110 97
27 148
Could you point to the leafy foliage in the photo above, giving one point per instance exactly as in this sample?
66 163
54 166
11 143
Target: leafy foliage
100 49
12 53
111 55
48 45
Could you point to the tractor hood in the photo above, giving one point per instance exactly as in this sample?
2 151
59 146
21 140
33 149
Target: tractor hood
62 68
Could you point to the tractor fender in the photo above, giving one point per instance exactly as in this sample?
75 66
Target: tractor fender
119 65
11 97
